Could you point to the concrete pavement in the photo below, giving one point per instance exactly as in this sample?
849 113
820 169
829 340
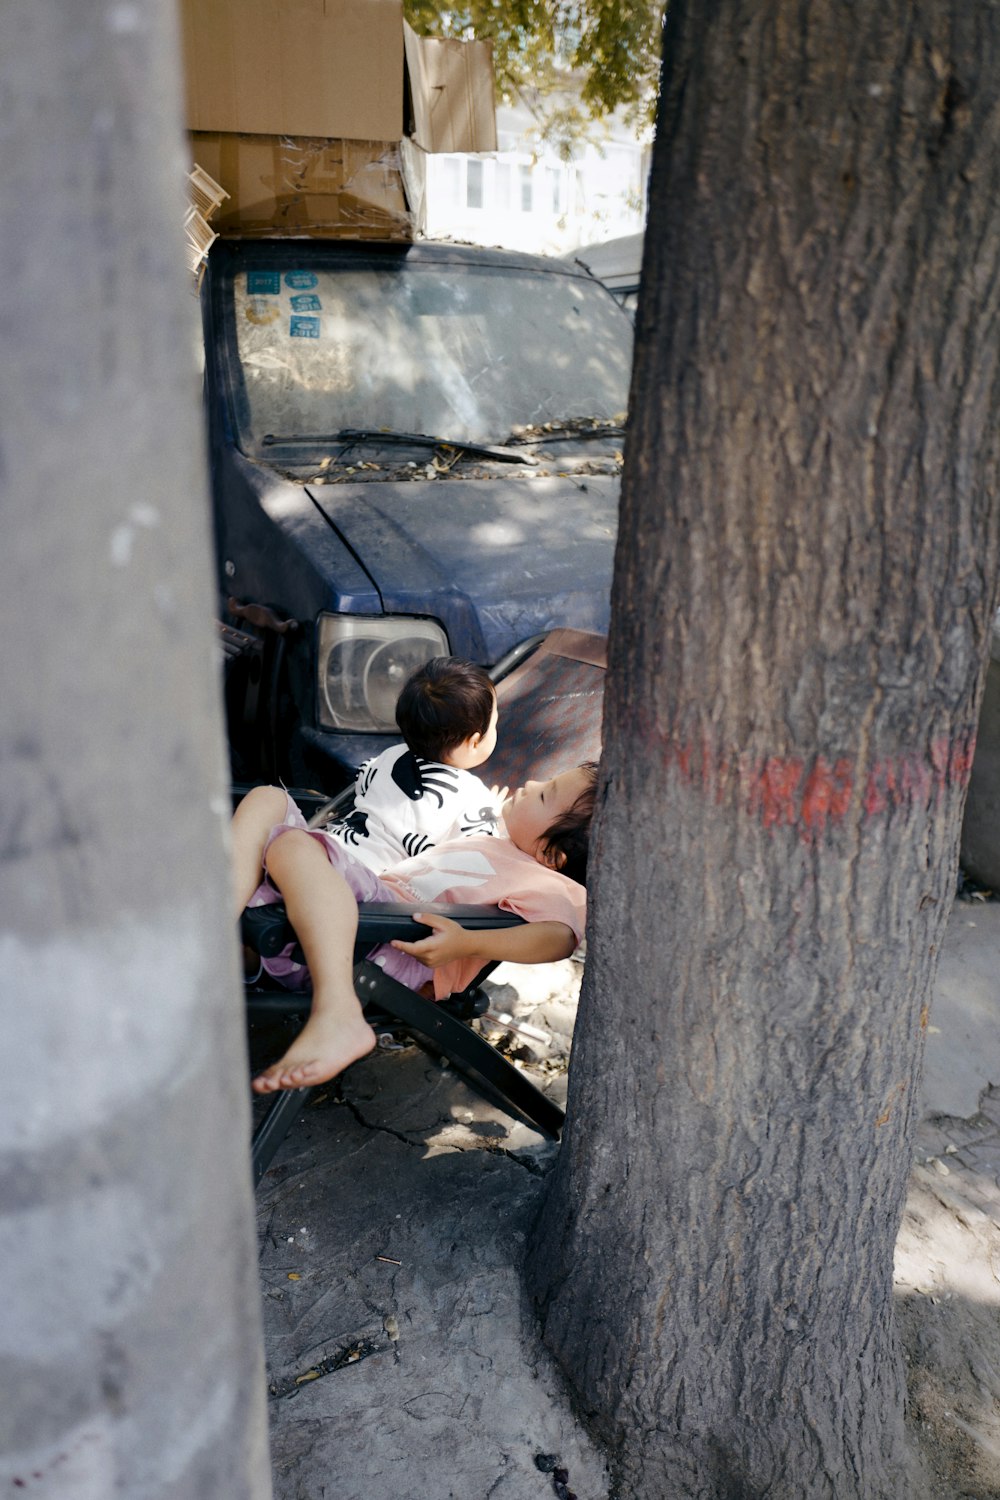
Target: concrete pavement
962 1055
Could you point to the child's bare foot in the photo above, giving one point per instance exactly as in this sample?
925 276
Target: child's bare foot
324 1047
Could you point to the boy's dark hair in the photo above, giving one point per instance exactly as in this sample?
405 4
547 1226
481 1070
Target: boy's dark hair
569 835
445 702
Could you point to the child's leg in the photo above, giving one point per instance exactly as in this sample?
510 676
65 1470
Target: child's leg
324 912
261 809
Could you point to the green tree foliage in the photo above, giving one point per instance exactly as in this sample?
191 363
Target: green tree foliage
605 52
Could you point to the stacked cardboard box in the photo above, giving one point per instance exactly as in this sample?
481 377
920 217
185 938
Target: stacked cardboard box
314 115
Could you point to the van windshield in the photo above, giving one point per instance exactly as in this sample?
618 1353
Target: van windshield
464 351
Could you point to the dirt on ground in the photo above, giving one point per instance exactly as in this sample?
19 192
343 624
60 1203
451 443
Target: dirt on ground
402 1358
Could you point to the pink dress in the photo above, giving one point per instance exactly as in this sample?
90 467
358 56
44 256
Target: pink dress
480 870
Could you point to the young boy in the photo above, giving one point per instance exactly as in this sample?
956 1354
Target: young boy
412 796
535 867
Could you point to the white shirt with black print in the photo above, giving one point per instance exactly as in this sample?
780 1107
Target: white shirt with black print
404 804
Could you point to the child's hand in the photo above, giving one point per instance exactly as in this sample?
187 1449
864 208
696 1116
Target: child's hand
446 943
499 794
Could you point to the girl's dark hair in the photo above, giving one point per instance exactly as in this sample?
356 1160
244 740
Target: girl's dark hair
444 703
569 835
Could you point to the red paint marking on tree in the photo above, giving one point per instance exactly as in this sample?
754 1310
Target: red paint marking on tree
843 786
826 794
940 759
779 784
962 752
875 799
817 795
789 791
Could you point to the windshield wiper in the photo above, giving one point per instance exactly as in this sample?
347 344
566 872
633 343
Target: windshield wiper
562 428
352 435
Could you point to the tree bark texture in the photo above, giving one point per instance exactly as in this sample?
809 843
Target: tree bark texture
805 578
129 1329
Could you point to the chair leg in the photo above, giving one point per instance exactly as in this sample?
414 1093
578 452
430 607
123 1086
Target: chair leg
274 1127
470 1053
461 1045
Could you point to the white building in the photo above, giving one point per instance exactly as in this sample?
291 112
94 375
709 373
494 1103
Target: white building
525 197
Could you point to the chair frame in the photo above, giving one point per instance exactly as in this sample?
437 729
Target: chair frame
443 1025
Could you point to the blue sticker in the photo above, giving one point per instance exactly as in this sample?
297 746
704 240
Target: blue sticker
301 279
264 283
306 302
304 328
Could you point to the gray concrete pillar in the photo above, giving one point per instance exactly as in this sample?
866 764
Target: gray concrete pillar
129 1305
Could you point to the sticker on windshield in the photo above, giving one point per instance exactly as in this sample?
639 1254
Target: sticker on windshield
304 328
264 283
262 312
301 279
306 302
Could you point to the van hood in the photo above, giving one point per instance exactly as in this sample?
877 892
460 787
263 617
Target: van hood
495 560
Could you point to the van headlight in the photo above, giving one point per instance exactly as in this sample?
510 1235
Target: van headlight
362 665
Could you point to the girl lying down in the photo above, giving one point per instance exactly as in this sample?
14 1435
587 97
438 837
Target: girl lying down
535 867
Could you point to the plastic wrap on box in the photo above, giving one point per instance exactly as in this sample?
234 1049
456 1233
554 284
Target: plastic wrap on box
309 186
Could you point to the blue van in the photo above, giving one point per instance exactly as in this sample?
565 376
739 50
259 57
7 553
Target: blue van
415 450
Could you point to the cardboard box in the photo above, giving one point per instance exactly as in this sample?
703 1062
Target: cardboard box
330 68
313 115
450 86
308 186
339 69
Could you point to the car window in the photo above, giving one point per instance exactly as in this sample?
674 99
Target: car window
460 351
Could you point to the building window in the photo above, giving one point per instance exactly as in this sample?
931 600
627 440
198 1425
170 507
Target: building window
474 184
501 185
555 188
451 181
579 195
525 172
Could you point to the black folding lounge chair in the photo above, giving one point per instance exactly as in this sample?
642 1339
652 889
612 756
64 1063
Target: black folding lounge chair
550 718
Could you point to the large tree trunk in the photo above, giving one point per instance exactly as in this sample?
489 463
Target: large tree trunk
129 1329
805 578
